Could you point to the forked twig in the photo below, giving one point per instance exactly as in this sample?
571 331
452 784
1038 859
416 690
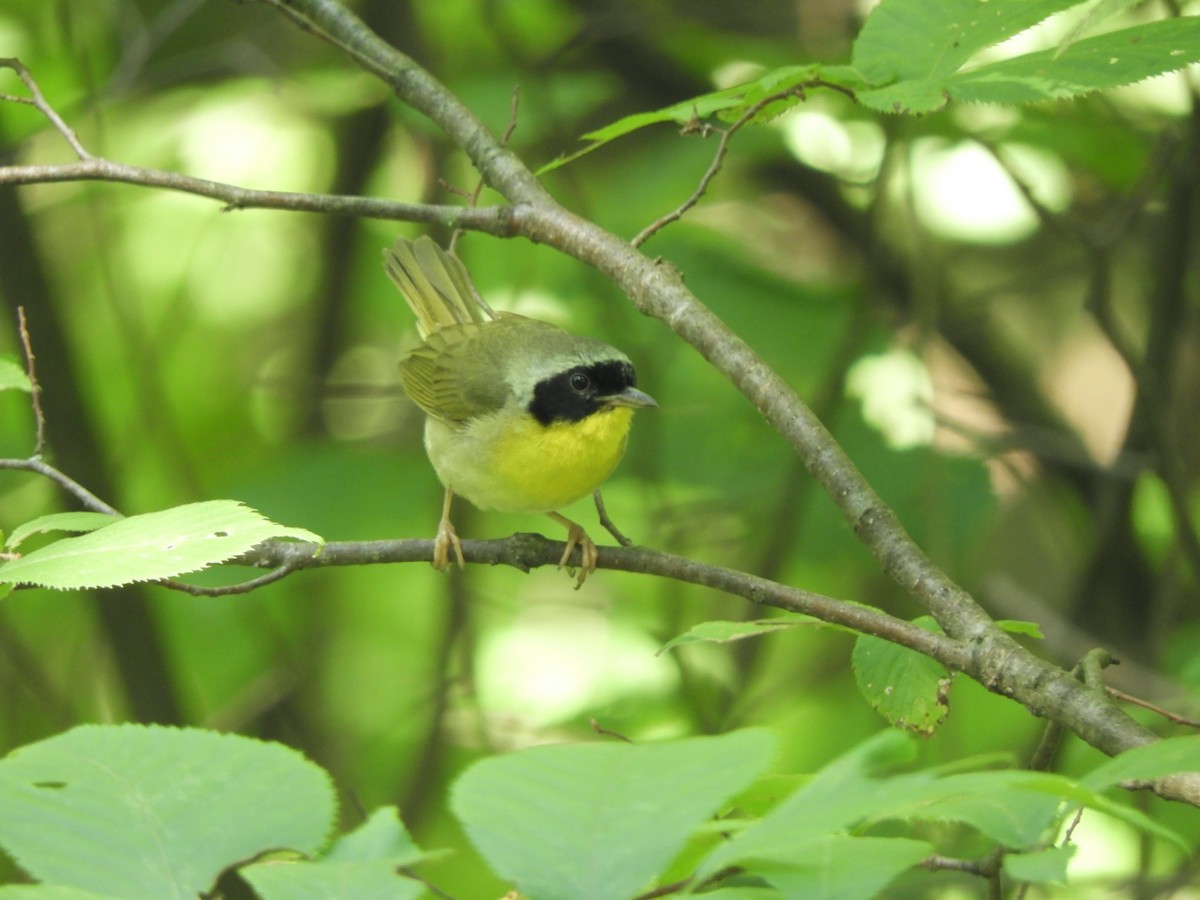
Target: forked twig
694 127
472 197
38 101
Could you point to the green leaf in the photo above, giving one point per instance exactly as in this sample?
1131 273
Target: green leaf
911 54
729 104
363 863
1040 866
915 40
382 836
155 812
1169 756
600 820
906 687
722 632
1065 789
149 547
1013 807
840 867
837 797
68 521
1097 63
1018 626
376 879
12 376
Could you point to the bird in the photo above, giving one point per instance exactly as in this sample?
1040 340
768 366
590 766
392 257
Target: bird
521 415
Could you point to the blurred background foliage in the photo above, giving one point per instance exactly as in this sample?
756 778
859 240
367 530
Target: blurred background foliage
994 309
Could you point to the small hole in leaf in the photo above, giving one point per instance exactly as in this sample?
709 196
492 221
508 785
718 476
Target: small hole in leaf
220 534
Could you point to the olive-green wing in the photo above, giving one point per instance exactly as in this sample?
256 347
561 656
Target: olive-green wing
458 373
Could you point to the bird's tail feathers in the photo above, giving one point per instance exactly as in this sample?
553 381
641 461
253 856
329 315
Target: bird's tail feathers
435 284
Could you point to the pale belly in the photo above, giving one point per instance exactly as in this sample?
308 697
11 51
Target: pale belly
527 467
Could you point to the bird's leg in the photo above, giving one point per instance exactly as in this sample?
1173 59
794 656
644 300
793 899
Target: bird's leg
446 538
577 537
608 524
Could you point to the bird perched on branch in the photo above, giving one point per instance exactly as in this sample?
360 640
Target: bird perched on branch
521 416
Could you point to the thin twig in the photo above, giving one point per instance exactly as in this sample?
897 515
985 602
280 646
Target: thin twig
1074 824
608 732
473 196
713 168
37 100
607 523
495 220
1146 704
242 587
935 862
72 487
718 161
35 389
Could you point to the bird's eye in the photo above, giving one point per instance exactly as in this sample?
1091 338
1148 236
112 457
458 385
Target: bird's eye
580 382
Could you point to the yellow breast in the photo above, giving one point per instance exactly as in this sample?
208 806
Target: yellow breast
516 464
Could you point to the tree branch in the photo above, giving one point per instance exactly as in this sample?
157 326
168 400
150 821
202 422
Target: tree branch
488 219
531 551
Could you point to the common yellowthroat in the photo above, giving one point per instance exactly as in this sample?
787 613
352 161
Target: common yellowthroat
521 416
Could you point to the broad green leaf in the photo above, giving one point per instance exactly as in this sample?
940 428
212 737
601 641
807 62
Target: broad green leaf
721 632
1013 807
905 687
836 798
155 812
1097 63
840 867
914 40
149 547
1040 866
12 376
68 521
600 820
911 54
1169 756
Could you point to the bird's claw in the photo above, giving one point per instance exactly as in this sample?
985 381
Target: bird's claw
446 538
589 555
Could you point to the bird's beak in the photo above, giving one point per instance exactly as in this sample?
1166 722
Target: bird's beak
630 397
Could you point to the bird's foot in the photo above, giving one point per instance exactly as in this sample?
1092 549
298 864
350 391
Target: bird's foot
446 538
589 555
